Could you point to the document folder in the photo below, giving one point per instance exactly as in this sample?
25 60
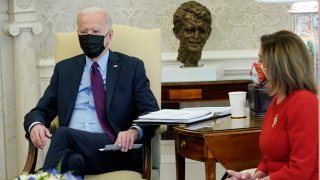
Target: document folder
183 116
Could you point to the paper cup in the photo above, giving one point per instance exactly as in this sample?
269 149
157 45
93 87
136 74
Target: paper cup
237 103
237 123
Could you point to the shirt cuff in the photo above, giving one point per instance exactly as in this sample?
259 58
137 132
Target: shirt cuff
140 131
33 124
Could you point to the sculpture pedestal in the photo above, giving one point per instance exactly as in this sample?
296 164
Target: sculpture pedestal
207 72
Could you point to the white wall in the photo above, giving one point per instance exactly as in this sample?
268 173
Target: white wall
236 25
8 125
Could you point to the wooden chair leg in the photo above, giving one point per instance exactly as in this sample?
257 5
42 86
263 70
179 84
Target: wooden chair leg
146 171
31 161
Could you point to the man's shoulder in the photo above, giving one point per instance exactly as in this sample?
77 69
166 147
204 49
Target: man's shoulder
75 59
126 57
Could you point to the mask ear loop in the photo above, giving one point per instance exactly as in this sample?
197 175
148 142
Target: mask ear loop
107 34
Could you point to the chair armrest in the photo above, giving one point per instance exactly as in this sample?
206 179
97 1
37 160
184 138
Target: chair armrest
30 164
31 161
161 129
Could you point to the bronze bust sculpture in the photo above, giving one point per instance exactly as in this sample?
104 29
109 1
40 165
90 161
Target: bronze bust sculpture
192 26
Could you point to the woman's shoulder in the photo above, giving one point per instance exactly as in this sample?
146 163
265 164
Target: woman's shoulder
303 96
303 93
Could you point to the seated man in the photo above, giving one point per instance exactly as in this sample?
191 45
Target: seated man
96 96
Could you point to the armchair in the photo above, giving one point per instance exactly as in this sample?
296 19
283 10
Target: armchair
144 44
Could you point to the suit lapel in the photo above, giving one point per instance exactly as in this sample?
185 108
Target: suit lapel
74 79
114 67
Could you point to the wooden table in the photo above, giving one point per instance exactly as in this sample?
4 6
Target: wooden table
174 93
232 142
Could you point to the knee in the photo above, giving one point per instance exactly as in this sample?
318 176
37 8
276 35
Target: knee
62 136
74 162
75 158
61 132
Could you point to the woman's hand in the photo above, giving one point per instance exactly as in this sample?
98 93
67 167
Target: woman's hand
233 175
260 175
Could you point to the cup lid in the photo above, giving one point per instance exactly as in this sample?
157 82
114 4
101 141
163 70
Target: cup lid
237 92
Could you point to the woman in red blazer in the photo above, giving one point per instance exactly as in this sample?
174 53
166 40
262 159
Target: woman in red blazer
289 136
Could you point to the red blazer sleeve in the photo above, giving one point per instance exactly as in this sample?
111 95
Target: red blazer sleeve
263 167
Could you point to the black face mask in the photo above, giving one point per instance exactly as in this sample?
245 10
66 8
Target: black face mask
92 45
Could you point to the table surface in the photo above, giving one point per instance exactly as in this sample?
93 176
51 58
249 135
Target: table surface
172 94
224 124
232 142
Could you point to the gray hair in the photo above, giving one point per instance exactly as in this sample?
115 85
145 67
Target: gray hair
90 10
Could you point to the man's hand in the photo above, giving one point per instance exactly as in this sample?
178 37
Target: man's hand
126 139
39 134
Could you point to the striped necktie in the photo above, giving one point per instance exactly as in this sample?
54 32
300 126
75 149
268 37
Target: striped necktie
99 96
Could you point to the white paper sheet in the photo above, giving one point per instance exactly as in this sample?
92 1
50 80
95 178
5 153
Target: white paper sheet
183 116
175 114
176 121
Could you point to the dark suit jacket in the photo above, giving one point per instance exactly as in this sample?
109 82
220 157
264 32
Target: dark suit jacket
128 94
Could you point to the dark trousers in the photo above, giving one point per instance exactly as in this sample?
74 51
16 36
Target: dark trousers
78 152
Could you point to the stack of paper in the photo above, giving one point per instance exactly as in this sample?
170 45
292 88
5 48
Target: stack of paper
175 116
218 111
183 116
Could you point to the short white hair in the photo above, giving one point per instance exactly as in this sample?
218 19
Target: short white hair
90 10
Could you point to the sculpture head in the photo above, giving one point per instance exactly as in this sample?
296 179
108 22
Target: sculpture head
192 26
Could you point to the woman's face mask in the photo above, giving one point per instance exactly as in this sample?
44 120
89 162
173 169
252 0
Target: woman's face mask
92 45
258 74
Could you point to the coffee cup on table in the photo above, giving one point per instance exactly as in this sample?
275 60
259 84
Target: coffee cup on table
237 101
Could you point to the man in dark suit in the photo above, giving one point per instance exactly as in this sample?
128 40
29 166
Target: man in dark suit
72 95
